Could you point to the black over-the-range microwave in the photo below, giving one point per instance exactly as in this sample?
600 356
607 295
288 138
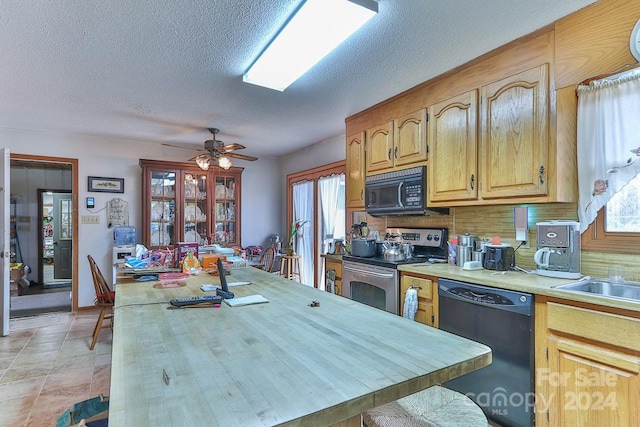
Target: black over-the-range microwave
401 192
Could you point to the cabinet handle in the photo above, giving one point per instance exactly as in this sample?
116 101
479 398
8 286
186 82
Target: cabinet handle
472 181
389 154
395 152
361 193
541 174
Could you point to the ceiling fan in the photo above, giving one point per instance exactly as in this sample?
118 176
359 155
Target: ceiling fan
217 151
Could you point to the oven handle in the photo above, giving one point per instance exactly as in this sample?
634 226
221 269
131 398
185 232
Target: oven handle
372 273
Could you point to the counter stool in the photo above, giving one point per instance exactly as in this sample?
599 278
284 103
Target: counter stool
436 406
290 267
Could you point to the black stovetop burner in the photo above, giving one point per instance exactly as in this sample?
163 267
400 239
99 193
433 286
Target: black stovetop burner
429 245
389 263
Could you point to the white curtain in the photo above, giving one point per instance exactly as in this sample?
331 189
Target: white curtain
329 189
608 141
303 211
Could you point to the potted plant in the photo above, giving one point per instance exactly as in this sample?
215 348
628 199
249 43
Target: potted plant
294 227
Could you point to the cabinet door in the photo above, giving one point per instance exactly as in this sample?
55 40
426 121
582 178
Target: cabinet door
336 266
380 147
160 208
355 171
596 386
515 135
226 208
593 375
427 304
453 145
196 207
410 138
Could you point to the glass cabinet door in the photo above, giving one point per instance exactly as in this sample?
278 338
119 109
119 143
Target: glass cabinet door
195 207
163 208
225 209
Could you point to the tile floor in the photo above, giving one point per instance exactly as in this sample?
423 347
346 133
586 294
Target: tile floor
45 370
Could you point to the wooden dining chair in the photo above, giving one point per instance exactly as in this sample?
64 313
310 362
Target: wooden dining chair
267 259
105 298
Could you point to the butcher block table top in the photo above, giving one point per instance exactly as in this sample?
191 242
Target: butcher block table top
278 363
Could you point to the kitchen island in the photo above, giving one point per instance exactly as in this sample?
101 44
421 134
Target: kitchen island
284 362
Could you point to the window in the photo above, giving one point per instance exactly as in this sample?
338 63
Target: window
622 212
617 226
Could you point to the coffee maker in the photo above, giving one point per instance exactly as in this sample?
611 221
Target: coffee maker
558 253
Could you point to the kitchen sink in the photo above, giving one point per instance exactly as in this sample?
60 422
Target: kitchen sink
604 288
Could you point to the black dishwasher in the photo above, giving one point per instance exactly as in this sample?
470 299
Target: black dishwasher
504 321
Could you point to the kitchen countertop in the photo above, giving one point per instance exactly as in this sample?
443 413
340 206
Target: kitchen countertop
517 281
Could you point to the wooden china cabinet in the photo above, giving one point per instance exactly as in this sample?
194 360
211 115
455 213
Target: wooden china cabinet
182 203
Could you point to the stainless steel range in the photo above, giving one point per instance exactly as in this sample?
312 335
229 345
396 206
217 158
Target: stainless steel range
375 281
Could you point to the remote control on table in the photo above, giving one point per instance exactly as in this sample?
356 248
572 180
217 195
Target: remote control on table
187 301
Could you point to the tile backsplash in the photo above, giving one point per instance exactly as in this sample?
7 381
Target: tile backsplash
490 221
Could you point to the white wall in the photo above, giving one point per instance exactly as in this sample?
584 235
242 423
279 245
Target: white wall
261 194
319 154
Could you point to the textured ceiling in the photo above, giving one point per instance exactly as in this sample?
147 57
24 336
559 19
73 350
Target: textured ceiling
165 70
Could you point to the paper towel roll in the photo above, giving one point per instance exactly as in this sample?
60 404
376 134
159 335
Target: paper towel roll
410 304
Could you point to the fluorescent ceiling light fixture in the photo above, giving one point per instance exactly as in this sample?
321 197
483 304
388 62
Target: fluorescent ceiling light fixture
317 28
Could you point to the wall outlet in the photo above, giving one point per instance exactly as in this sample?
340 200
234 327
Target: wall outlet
523 236
90 219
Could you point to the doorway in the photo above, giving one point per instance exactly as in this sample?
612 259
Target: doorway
50 282
317 197
55 243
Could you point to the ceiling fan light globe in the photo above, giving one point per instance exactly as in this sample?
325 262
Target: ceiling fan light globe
203 162
224 162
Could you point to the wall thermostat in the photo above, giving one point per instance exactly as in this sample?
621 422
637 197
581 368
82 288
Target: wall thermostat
91 203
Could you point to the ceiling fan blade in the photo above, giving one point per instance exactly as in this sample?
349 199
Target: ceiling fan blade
241 156
231 147
181 146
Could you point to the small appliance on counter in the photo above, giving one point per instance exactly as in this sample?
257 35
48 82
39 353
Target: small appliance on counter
124 246
499 257
558 253
337 247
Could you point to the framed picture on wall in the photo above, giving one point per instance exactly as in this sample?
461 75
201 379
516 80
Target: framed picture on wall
105 185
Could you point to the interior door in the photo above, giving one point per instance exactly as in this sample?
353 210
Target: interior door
62 235
4 241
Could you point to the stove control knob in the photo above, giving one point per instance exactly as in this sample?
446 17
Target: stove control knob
436 237
429 237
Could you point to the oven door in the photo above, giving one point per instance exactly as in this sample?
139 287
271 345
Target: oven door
371 284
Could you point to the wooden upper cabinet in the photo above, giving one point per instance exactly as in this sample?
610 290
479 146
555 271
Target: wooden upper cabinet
410 138
515 135
400 142
380 147
355 171
453 146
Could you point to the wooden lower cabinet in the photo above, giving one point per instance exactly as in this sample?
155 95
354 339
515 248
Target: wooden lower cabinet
335 265
427 288
591 376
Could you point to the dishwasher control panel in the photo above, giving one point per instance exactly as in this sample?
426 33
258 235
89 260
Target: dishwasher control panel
519 302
